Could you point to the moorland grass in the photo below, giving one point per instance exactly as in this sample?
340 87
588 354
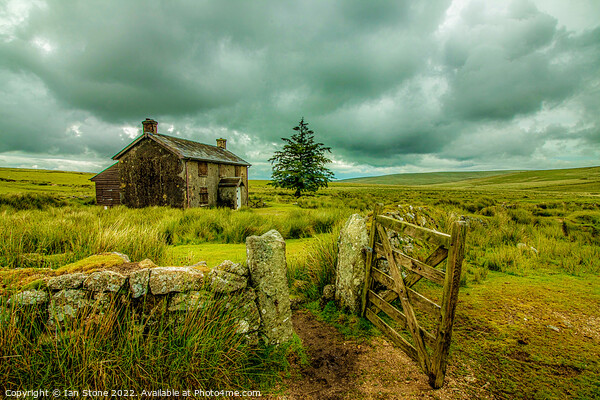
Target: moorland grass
120 349
33 238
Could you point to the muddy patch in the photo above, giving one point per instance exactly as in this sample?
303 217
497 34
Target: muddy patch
332 366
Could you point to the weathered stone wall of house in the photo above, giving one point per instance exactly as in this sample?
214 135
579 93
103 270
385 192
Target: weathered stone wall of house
213 184
151 176
244 175
203 184
198 187
226 171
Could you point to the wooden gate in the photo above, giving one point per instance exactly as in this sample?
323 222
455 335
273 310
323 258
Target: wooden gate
429 349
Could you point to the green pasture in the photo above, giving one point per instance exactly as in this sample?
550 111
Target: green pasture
17 180
423 179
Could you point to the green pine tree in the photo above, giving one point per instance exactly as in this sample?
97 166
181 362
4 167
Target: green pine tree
300 165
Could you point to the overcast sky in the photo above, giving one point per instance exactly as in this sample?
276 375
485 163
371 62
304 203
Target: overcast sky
390 86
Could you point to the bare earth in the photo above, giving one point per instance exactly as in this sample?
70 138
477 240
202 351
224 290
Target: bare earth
340 368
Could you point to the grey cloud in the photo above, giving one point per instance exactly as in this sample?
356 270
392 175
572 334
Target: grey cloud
383 83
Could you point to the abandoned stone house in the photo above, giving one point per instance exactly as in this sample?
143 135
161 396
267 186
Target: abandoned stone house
161 170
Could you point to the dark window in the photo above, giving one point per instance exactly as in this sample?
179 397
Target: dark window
202 169
238 170
203 195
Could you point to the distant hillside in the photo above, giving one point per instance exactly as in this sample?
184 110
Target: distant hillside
564 180
428 178
568 180
19 180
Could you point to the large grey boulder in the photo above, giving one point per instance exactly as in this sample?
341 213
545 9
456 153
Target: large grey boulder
266 262
29 298
67 281
164 280
104 281
350 269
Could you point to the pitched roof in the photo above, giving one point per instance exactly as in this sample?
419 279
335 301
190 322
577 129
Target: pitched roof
188 149
111 172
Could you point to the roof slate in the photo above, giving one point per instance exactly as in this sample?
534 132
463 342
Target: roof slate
188 149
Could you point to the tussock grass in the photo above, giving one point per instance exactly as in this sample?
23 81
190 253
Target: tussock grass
317 267
33 238
56 236
119 349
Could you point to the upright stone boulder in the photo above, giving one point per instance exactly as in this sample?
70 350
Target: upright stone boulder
266 262
351 264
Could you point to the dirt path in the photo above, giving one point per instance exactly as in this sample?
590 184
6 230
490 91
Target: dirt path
347 369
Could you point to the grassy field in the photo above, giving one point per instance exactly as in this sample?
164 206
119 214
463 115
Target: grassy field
423 179
570 180
17 180
531 275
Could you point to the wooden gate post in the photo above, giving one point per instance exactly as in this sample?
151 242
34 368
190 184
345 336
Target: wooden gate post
456 255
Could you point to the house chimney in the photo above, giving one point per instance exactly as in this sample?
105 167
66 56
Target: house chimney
222 143
149 125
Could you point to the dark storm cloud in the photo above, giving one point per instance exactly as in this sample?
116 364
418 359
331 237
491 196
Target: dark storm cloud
398 84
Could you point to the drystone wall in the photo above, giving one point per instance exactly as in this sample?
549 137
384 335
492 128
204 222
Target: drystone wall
177 290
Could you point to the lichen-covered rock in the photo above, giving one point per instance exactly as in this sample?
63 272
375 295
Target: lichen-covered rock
104 281
328 295
101 300
252 338
246 310
296 301
234 268
65 304
28 298
138 282
175 279
226 282
350 270
190 301
266 262
67 281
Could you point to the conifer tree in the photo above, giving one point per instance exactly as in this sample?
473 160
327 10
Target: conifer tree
300 165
